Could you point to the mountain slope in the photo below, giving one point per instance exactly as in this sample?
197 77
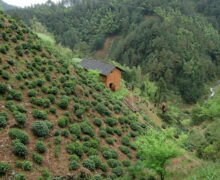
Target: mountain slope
56 119
6 6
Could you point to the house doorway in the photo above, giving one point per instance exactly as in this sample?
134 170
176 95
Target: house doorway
112 86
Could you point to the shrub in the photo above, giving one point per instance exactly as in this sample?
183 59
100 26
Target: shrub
53 110
135 126
4 168
113 163
22 136
124 149
102 133
118 171
110 121
109 154
37 114
117 109
65 133
87 129
40 147
79 112
75 129
20 118
19 176
5 75
37 158
45 103
117 131
126 162
63 122
73 165
98 122
97 160
104 167
101 109
75 148
52 98
19 149
74 158
3 88
63 103
96 177
25 165
40 129
110 140
14 95
20 108
109 130
32 93
125 141
3 119
57 140
89 164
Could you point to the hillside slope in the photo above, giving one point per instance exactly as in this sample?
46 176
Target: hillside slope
56 119
6 6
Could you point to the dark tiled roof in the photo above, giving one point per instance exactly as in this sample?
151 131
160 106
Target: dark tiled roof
101 66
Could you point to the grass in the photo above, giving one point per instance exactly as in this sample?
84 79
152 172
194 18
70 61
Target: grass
46 38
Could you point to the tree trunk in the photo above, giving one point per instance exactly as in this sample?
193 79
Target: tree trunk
162 177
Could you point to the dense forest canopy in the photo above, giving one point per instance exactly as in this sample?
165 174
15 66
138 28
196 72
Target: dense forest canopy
176 41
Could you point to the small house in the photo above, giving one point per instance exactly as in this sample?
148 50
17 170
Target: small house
109 74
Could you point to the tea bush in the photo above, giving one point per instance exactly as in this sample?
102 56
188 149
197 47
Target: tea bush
118 171
14 95
3 119
98 122
37 114
104 167
125 141
4 168
75 129
89 164
25 165
110 140
126 162
110 121
109 154
19 149
87 129
63 103
20 118
63 122
73 165
21 135
37 158
40 129
125 149
97 160
3 88
101 109
75 148
40 147
113 163
65 133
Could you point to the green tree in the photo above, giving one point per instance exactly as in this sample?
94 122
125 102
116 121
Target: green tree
155 151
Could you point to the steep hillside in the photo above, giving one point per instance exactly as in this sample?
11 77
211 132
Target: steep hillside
56 119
